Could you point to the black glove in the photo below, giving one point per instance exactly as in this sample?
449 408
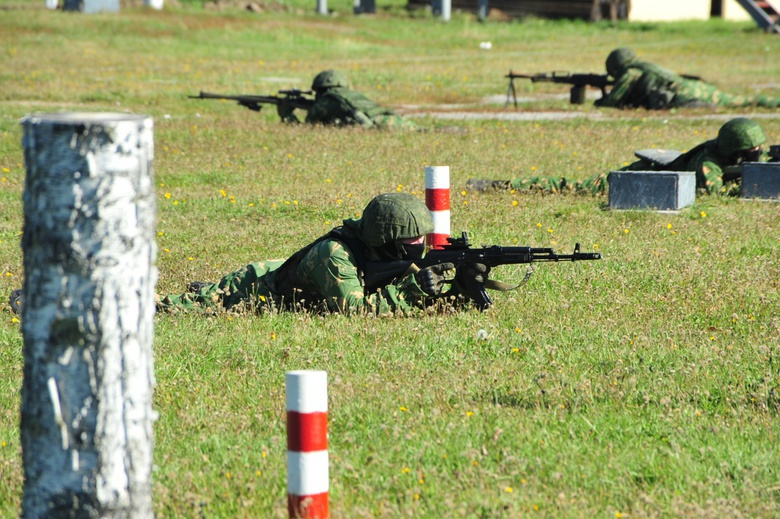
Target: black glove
470 282
431 279
478 272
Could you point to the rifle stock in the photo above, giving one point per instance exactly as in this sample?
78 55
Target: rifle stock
459 252
286 103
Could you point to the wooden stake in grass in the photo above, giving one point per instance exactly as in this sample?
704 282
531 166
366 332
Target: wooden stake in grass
87 316
307 444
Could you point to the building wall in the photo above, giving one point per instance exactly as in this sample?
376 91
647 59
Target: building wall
733 11
668 10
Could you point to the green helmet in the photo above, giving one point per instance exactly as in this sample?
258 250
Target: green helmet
391 217
329 79
618 60
739 134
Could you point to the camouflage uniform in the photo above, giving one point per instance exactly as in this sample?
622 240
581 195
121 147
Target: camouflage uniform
327 275
639 84
337 105
738 140
595 185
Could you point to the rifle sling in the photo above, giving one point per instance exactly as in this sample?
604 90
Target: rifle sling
494 284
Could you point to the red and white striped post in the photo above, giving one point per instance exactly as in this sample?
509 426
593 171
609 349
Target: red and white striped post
437 198
307 444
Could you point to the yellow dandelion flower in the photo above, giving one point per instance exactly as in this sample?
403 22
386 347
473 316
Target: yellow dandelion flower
251 204
515 203
539 224
223 193
406 470
273 336
668 226
515 350
262 298
421 481
475 463
227 475
463 193
509 489
618 515
550 231
14 320
175 202
264 455
9 274
469 413
159 233
536 507
523 481
626 231
5 170
417 496
402 408
190 258
703 214
167 250
259 473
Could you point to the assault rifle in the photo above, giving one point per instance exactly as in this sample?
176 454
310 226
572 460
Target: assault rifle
286 103
459 252
732 173
578 82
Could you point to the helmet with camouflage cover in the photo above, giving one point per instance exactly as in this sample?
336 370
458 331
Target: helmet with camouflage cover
739 135
390 218
329 79
618 60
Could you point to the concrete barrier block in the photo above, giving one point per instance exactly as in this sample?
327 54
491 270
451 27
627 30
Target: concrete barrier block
659 190
760 180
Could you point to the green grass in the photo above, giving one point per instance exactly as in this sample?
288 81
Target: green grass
645 384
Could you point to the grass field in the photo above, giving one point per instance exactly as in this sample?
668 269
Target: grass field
642 385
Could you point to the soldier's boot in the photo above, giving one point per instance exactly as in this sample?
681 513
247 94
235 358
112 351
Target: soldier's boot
481 184
16 300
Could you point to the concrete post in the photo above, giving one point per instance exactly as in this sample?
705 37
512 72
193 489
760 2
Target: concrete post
482 10
446 10
87 317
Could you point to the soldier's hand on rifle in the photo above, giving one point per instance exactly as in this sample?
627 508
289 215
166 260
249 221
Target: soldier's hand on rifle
476 273
470 282
432 279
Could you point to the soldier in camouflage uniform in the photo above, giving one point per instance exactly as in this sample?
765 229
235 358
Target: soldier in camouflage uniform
739 140
336 104
328 275
640 84
595 185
